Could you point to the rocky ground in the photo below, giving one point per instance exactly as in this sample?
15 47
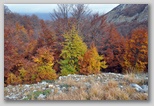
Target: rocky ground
104 86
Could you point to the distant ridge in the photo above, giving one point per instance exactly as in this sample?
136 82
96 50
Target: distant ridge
44 16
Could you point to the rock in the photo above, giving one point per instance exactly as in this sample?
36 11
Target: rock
44 83
121 87
43 88
51 86
13 97
77 79
73 88
57 85
146 80
52 90
98 78
69 75
63 88
13 89
34 90
144 88
59 92
27 86
60 78
137 87
41 97
87 84
24 97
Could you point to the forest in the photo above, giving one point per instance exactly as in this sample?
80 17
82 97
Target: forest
74 41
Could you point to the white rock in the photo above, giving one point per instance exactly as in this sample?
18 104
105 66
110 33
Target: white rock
51 86
59 92
27 86
60 78
98 78
34 90
57 85
73 88
44 83
121 87
13 89
77 79
145 88
41 96
137 87
63 88
52 90
87 84
24 97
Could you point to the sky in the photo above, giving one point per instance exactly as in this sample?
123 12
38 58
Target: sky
48 8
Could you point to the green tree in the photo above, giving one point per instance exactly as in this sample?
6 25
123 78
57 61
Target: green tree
73 48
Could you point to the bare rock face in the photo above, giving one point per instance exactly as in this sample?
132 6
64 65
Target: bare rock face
128 17
128 13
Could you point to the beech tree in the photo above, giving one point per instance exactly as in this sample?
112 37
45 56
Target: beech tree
113 48
136 54
73 48
91 62
45 61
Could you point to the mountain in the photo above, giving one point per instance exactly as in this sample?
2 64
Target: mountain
44 16
128 16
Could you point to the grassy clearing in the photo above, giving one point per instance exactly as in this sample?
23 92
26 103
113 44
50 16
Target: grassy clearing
101 91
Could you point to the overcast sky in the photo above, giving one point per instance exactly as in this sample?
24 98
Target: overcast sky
46 8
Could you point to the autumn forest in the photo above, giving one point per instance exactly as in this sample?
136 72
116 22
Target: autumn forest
74 41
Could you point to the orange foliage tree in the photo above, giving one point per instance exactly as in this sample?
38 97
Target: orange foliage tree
91 62
18 47
136 54
113 48
48 39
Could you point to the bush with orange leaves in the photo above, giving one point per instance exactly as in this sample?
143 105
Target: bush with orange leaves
44 60
91 62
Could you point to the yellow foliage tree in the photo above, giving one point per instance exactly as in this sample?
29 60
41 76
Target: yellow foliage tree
13 79
44 59
91 62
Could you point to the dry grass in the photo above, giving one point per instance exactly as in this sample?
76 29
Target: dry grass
99 91
131 78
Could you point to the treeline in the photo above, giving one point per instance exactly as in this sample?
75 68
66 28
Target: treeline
83 43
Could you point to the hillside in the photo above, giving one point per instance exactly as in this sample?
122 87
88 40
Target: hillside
104 86
82 57
128 17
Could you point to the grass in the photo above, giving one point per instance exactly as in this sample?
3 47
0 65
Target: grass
99 91
34 95
108 87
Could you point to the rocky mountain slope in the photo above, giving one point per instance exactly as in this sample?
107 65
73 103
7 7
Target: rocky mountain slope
128 16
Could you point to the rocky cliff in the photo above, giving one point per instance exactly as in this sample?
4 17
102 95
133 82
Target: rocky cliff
128 16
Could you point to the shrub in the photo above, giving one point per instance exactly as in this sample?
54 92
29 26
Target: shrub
13 79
